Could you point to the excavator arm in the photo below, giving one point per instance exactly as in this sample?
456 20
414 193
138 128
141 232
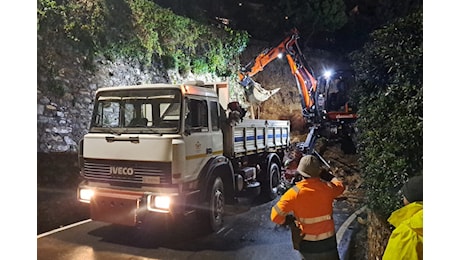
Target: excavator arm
306 83
265 57
254 92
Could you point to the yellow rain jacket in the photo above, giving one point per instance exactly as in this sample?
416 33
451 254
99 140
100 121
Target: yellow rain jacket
406 241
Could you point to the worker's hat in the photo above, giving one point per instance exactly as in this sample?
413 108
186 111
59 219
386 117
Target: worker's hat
309 166
413 189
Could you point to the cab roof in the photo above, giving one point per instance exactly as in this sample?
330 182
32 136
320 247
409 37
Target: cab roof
188 88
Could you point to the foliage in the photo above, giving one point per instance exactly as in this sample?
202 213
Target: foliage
268 19
80 22
390 97
390 10
139 29
314 15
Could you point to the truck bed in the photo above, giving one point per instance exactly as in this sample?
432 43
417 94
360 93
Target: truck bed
253 136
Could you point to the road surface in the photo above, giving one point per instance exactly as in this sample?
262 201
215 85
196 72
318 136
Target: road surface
248 233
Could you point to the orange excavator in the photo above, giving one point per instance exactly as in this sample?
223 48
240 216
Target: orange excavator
324 100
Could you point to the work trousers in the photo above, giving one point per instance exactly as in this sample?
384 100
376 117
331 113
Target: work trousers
319 250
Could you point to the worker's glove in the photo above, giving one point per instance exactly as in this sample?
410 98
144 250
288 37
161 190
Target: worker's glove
326 175
297 178
289 221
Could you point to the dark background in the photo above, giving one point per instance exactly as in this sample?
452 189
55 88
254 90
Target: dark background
266 19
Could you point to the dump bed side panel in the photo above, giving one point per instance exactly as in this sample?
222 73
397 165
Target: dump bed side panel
253 136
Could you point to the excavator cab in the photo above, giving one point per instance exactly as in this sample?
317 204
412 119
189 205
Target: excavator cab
333 93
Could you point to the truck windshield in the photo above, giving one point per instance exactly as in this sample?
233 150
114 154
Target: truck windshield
137 111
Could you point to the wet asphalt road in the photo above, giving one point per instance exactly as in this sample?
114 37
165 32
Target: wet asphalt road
248 233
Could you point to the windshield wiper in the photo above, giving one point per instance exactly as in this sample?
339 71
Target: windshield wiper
132 139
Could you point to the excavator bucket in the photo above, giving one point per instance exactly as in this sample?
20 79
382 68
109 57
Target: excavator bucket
259 94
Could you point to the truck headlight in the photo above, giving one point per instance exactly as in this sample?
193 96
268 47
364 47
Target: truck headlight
158 203
162 202
84 195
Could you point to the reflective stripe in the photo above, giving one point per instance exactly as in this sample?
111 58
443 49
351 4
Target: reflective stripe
321 236
279 211
315 219
296 189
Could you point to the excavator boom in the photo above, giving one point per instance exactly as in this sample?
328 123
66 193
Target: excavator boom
267 56
306 83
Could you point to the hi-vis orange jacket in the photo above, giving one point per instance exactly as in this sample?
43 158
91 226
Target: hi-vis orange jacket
310 200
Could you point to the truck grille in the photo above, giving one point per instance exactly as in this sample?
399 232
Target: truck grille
127 173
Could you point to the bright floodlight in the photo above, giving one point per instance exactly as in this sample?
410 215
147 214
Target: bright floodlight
280 55
327 74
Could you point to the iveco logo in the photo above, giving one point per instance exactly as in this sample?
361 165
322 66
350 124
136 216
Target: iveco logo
121 171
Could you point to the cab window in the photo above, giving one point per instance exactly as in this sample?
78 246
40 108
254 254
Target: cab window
196 115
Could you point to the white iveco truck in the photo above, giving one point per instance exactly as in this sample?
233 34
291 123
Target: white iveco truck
165 149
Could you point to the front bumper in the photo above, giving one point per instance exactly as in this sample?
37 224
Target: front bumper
128 208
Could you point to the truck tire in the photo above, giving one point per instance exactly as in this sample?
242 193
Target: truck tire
270 187
213 215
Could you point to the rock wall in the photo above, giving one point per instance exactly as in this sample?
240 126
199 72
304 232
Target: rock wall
62 120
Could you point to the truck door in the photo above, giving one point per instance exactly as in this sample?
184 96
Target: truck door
198 135
216 132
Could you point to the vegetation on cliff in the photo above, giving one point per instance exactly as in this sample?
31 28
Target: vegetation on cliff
133 29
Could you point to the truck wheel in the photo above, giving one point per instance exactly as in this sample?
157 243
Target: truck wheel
270 187
214 214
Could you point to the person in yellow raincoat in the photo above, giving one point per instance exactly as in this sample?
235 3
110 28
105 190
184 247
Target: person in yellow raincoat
406 240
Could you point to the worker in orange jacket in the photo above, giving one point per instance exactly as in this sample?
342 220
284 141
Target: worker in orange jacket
310 201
